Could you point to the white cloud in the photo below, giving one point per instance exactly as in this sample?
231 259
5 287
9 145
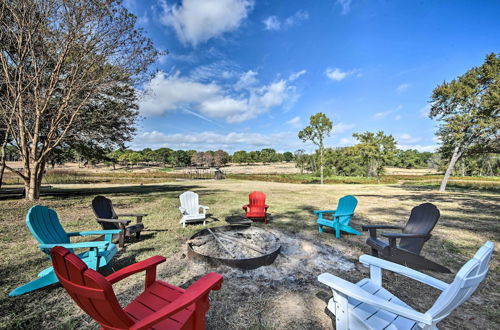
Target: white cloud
419 147
167 93
383 114
212 140
294 122
242 101
407 138
347 141
296 75
341 128
402 88
398 117
424 111
338 75
273 23
346 6
247 79
196 21
213 71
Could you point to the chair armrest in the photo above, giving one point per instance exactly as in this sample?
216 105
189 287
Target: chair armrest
342 214
245 207
266 206
204 207
393 236
405 271
149 265
373 229
198 290
94 232
183 210
132 215
113 220
402 235
349 289
324 211
80 245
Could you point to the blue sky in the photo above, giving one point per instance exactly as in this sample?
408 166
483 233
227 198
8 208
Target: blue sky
247 75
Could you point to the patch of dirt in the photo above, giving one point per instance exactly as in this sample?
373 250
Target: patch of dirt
280 295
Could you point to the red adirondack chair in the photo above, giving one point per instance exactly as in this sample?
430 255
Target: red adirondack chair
256 208
159 306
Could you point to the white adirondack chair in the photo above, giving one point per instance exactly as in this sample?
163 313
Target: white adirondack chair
367 305
190 208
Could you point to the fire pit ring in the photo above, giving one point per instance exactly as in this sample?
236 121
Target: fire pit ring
222 235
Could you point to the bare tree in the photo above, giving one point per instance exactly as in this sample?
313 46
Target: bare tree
58 60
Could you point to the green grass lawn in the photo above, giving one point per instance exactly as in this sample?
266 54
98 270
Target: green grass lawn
468 219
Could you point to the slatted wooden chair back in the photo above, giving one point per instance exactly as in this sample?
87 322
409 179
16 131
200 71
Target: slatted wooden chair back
422 220
189 201
465 283
89 289
45 226
347 205
257 201
103 208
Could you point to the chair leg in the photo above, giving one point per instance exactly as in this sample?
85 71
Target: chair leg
40 282
138 235
349 229
320 228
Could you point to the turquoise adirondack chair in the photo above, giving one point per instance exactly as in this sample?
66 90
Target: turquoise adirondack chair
45 226
341 216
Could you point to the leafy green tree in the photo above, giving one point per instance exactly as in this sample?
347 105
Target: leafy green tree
148 155
162 155
468 111
240 157
345 161
63 63
319 128
301 159
253 157
114 157
267 155
287 156
180 158
377 150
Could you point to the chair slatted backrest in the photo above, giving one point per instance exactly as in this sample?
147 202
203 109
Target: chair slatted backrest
45 226
257 201
422 220
103 208
347 205
465 283
89 289
189 201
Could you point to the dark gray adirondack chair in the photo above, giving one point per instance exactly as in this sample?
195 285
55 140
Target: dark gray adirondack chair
414 234
108 219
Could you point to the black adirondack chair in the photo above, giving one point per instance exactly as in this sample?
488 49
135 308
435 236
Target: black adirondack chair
414 234
108 219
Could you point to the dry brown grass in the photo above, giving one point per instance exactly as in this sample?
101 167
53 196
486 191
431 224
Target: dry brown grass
467 221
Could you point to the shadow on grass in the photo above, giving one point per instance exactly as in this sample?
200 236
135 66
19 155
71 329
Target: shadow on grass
130 190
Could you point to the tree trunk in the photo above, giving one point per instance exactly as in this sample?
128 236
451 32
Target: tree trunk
321 162
454 158
2 170
33 181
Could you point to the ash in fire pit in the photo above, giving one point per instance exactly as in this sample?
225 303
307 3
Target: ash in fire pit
237 246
